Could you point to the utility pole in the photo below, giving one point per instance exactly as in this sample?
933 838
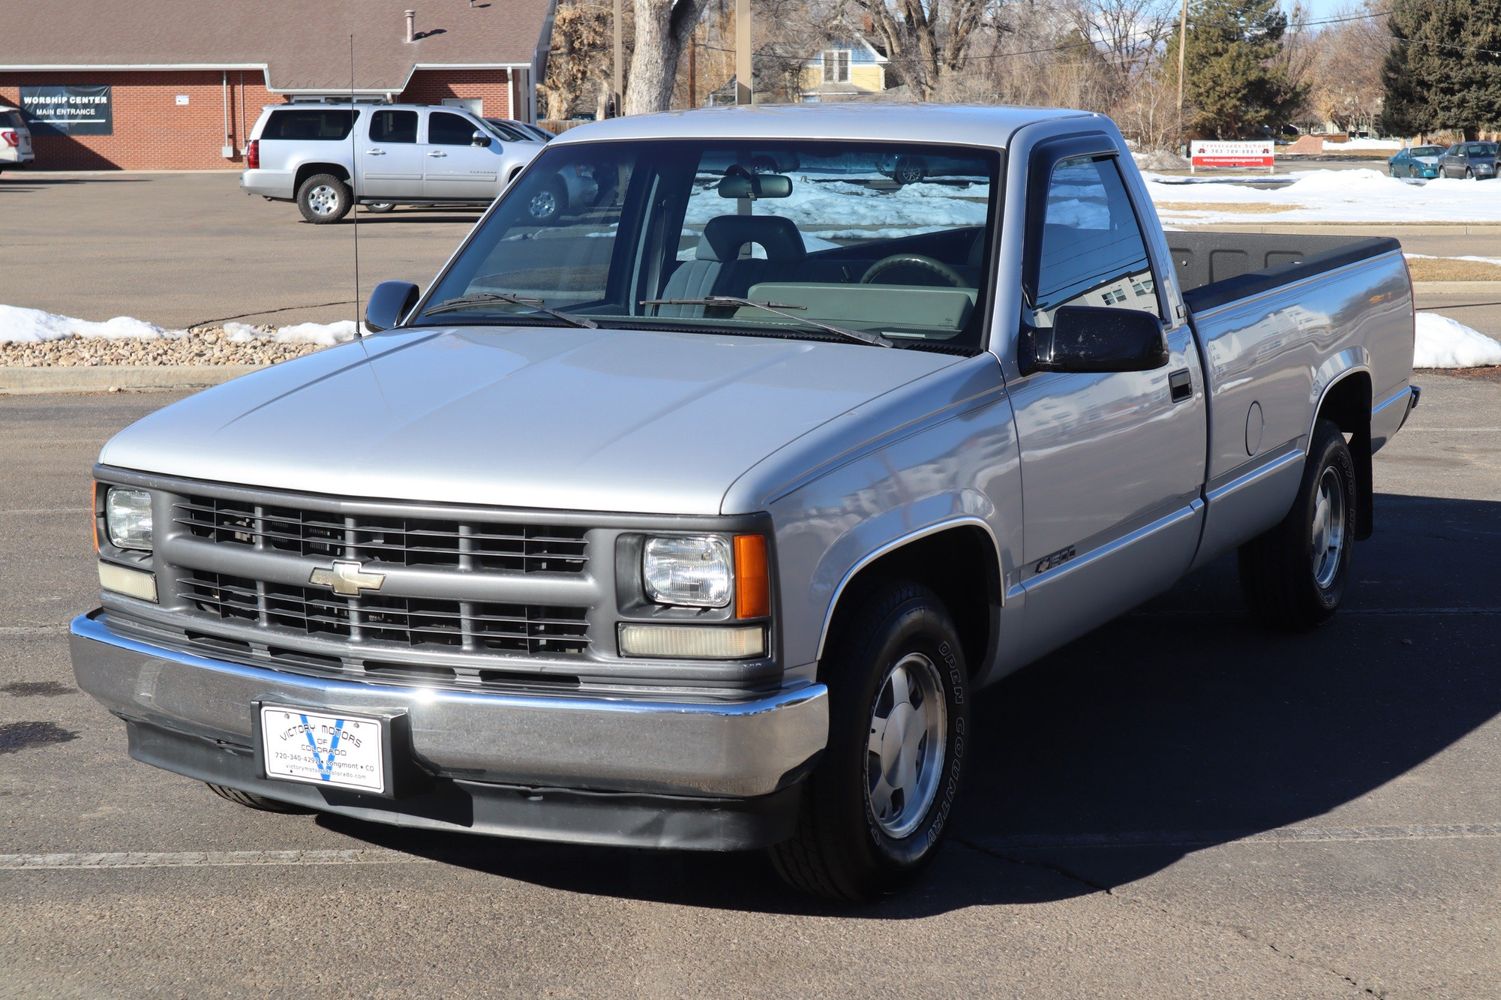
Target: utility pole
743 71
617 81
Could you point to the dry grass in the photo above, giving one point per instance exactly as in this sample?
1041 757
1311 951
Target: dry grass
1449 269
1237 207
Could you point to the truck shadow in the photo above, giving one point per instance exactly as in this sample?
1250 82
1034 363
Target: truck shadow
1179 727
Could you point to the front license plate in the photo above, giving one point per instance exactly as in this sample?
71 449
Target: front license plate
343 751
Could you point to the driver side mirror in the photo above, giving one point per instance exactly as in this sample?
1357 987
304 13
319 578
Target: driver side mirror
479 139
389 304
1093 339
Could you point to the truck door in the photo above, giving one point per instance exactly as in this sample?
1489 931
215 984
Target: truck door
1111 462
453 166
391 162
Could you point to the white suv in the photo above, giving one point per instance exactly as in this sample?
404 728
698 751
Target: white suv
328 157
15 139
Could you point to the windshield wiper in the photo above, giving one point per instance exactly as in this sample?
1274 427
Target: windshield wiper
484 298
780 309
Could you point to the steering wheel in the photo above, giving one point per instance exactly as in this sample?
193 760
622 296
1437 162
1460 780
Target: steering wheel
938 267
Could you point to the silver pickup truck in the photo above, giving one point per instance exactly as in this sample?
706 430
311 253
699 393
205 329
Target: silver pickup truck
328 157
696 521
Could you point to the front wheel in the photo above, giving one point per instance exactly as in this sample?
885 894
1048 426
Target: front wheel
1469 174
1293 576
876 809
548 203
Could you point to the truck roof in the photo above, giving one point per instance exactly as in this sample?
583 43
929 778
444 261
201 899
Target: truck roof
989 126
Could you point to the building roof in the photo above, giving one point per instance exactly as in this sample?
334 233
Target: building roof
989 126
303 45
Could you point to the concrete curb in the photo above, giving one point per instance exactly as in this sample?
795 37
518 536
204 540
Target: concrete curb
31 381
1456 287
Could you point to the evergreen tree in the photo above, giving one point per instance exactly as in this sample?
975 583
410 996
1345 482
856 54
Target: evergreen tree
1443 71
1234 84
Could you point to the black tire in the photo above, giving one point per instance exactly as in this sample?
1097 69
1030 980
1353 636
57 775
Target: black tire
547 204
908 171
1290 580
252 801
843 849
1469 174
380 206
324 198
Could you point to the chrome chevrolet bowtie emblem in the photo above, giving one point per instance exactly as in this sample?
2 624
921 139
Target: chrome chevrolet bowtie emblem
346 578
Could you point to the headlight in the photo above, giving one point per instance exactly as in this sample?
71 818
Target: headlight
127 515
689 570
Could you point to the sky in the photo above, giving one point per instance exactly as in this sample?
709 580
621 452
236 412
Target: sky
1321 8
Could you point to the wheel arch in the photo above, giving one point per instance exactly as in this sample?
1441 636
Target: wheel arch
1347 402
958 559
307 170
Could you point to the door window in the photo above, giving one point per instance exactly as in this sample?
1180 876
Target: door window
1092 253
393 126
444 129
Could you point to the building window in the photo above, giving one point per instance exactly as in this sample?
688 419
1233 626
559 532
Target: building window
836 66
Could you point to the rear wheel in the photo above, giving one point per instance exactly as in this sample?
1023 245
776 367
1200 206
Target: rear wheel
380 206
323 198
547 204
252 801
1294 575
876 809
908 171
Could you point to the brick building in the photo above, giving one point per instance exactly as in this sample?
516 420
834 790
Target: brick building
177 84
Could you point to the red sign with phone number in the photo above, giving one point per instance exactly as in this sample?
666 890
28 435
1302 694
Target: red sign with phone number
1233 154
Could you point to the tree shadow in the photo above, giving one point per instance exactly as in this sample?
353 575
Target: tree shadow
1180 726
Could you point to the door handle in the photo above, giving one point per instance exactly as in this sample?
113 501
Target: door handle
375 152
437 152
1180 385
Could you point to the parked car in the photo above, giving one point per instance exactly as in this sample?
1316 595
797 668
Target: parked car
1415 161
574 190
329 157
525 130
1473 160
15 139
623 533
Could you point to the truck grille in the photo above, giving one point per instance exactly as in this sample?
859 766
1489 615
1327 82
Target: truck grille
413 622
393 541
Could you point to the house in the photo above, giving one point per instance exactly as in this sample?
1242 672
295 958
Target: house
843 70
177 84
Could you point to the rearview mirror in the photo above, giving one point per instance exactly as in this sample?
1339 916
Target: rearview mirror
746 185
389 304
1092 339
479 139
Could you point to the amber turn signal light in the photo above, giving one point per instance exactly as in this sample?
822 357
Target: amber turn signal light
752 586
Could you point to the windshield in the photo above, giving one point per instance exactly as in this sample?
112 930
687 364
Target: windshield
1480 149
1425 151
878 243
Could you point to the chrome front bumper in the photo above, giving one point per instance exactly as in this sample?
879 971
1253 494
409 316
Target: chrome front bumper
738 749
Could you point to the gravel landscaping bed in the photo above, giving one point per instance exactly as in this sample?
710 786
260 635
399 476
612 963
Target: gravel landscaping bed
208 346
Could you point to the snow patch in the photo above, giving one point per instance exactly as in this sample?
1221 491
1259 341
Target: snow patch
21 325
1160 159
1336 147
1332 196
1446 343
326 334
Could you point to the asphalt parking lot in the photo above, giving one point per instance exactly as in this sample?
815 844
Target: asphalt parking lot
1178 805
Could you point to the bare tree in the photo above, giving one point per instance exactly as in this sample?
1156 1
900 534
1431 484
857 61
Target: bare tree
578 61
924 39
1128 33
662 29
1346 87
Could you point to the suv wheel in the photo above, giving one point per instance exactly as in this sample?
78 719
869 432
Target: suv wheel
908 171
547 204
876 808
323 198
379 206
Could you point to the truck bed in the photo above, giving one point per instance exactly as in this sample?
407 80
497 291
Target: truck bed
1217 268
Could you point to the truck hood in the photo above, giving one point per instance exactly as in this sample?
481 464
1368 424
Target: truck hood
543 417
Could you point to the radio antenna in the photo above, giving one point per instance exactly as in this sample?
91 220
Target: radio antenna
354 206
